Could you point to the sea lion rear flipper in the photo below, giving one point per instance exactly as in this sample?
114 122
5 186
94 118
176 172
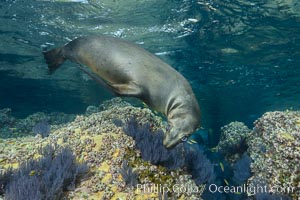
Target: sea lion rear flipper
54 58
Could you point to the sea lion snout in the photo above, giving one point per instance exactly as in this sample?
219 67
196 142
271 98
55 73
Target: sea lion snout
174 137
181 126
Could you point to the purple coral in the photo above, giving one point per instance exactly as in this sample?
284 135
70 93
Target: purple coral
152 149
42 128
46 178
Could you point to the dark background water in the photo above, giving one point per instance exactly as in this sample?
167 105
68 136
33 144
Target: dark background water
242 58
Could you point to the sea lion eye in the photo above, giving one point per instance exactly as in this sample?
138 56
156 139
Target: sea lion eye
168 128
184 139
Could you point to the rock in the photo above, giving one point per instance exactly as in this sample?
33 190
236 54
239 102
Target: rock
96 140
274 148
233 140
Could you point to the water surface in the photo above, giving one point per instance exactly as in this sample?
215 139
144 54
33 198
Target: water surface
241 57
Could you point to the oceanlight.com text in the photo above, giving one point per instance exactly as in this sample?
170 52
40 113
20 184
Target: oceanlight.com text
250 189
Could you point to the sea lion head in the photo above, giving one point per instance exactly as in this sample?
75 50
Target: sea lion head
179 129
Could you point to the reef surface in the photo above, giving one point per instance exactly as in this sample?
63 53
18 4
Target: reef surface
274 146
115 165
267 155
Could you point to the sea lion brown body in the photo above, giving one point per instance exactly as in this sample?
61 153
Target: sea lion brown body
129 70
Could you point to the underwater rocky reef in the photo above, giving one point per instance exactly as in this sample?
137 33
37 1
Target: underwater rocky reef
274 146
273 152
115 151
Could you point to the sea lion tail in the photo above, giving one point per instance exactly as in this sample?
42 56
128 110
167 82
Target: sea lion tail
54 58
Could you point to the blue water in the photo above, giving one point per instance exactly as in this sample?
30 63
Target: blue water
242 58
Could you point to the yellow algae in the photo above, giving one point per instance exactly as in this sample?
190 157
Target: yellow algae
141 196
119 177
98 140
83 137
104 167
116 196
37 156
138 191
286 136
43 144
107 178
114 188
119 196
77 131
60 141
182 197
116 153
11 165
96 196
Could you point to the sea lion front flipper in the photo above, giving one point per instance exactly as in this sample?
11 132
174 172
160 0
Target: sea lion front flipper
96 78
127 89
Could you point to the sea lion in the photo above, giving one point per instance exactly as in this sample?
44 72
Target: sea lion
129 70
